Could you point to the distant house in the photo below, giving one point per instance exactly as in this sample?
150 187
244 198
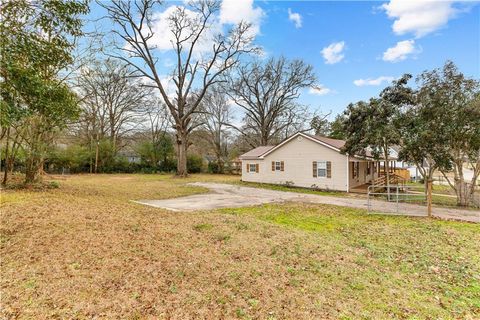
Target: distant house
310 161
130 155
236 166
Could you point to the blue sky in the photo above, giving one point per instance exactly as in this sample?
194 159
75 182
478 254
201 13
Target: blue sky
348 42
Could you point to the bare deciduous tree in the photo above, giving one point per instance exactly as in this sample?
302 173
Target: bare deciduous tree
215 120
158 120
194 71
112 102
267 92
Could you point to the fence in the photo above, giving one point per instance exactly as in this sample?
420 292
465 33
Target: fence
398 194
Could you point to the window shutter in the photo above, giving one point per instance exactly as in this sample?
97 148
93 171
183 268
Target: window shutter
248 167
282 166
329 169
315 169
273 165
257 168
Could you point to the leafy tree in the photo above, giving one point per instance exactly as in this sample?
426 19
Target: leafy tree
195 163
320 125
336 128
443 128
158 154
374 125
75 158
37 39
51 106
331 129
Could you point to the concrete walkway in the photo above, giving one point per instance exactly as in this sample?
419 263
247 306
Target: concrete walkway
232 196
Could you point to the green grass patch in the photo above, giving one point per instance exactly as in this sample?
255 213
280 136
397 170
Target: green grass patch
278 187
202 227
430 268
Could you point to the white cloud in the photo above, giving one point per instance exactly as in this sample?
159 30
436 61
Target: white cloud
419 17
231 12
372 82
236 11
319 90
333 53
163 37
295 18
400 51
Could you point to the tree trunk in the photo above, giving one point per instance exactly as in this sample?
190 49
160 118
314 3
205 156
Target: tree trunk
32 169
6 168
221 166
90 155
429 196
387 171
34 157
96 156
182 145
463 196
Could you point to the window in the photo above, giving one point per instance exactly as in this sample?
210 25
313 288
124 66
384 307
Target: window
278 166
321 168
252 168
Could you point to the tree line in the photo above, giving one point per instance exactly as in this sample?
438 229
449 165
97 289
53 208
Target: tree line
121 94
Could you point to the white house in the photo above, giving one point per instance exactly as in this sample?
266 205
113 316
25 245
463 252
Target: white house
309 161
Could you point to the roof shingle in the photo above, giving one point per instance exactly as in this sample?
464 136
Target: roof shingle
255 153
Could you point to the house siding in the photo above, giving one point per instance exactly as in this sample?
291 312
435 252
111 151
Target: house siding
298 156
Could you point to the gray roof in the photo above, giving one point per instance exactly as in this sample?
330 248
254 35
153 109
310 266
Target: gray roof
336 143
255 153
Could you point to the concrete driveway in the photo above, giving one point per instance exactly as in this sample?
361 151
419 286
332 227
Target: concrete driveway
233 196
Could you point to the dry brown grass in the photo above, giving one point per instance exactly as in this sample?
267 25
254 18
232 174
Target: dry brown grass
85 251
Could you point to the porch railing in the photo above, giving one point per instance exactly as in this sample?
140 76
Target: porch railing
381 182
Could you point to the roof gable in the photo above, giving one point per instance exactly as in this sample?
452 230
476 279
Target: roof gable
261 152
307 136
334 144
255 153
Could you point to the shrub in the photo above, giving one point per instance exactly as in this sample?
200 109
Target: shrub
168 165
54 185
194 164
289 184
213 167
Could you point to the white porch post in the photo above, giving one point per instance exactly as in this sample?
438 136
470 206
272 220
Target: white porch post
348 173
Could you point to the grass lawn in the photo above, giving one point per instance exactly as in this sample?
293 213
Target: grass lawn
85 251
278 187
